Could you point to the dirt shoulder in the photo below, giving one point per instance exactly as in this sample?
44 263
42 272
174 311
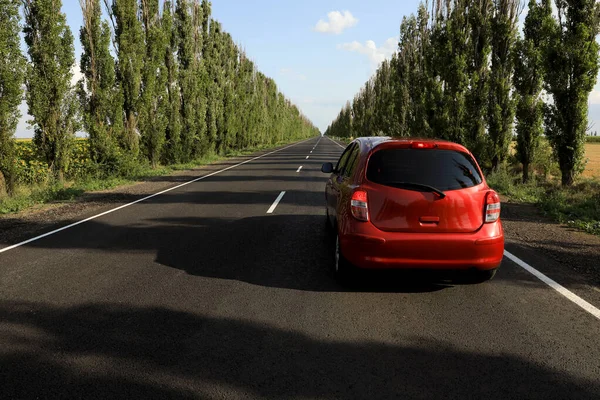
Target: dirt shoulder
569 256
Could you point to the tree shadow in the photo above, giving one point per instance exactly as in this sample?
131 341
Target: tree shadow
523 212
115 351
281 251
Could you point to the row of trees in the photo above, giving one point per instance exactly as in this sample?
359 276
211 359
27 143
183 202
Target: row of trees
465 73
162 83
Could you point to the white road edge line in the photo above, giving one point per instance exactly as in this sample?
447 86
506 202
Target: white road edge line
14 246
274 205
335 142
299 169
554 285
550 282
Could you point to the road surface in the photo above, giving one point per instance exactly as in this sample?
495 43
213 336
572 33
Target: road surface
201 292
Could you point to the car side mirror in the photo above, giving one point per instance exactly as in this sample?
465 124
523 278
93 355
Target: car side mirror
327 168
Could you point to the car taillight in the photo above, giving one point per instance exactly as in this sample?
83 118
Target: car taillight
359 205
492 207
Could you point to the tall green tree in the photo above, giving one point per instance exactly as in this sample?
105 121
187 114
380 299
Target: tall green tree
184 25
384 121
100 97
153 99
129 39
479 16
571 71
213 83
12 73
528 82
50 96
451 53
172 148
501 111
230 58
200 18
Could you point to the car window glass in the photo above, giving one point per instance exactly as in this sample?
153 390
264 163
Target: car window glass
344 158
442 169
352 162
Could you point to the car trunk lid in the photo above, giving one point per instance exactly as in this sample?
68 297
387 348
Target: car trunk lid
425 190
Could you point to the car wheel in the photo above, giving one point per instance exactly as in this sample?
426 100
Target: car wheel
341 268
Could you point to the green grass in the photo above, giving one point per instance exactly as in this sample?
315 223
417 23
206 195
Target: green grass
577 206
28 196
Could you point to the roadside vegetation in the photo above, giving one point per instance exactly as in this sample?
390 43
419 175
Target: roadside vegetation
517 98
164 87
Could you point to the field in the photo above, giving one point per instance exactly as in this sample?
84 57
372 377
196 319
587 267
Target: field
592 153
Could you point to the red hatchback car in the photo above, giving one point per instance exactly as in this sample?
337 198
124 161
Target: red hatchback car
413 204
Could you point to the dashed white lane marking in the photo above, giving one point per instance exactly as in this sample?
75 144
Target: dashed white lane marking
14 246
274 205
554 285
299 169
307 157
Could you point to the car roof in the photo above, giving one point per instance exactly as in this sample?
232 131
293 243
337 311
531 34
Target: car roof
370 142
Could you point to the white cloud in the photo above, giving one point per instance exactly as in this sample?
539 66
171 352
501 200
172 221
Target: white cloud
291 74
595 96
336 22
375 54
23 128
77 75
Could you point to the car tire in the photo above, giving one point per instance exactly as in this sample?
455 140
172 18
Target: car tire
342 270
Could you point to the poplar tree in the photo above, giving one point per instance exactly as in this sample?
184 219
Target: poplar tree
501 112
479 17
100 97
129 39
188 79
153 99
528 82
50 96
571 69
12 74
172 147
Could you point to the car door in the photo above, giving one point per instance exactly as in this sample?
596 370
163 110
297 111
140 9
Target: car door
336 180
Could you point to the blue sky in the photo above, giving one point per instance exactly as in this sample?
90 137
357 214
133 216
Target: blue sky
319 66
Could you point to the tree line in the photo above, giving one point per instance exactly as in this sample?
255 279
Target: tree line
463 72
162 83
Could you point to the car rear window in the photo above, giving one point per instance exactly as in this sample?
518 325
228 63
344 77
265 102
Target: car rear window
442 169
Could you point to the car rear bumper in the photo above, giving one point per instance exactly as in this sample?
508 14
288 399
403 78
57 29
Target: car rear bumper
368 247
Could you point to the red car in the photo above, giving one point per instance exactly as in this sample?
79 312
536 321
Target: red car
413 204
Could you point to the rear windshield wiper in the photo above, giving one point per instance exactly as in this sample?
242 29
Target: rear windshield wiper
417 186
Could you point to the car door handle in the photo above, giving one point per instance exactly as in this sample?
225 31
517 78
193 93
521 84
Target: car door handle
429 220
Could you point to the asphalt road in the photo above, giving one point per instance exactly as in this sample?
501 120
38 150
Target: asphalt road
199 293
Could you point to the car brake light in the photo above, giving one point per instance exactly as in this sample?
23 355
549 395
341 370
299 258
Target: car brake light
492 207
359 205
422 145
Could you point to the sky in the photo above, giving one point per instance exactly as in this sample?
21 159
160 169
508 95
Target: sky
319 53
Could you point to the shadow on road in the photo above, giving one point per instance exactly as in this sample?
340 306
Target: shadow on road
115 351
282 251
